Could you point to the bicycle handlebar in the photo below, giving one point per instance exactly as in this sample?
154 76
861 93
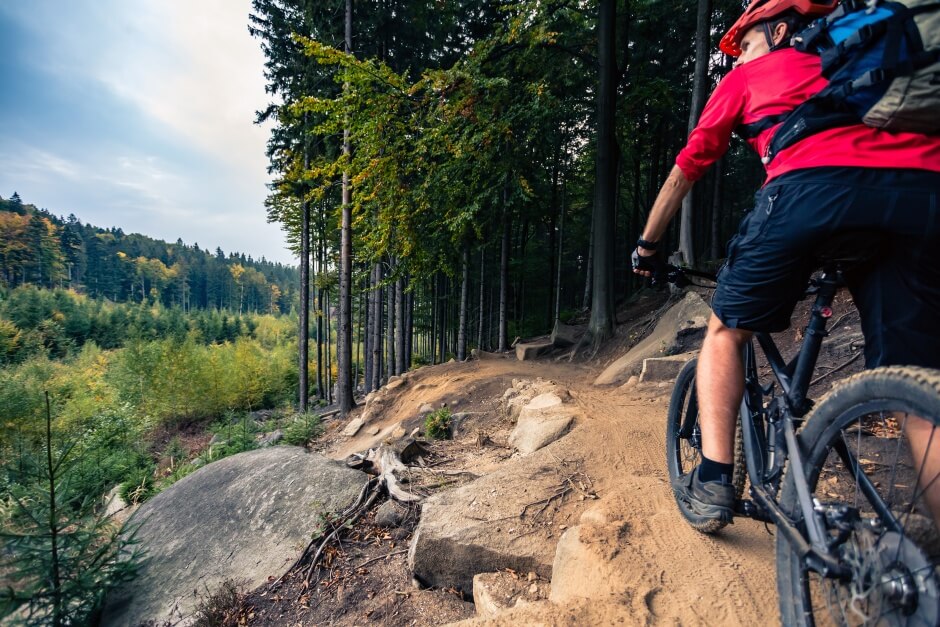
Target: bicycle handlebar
680 276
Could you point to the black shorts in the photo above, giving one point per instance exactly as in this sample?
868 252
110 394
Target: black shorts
897 292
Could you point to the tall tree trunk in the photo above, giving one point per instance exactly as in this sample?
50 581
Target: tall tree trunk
344 327
482 277
369 294
716 209
552 245
504 281
329 351
358 326
377 328
464 291
601 325
303 334
434 317
399 326
699 85
589 271
321 384
390 324
442 328
489 322
561 243
409 325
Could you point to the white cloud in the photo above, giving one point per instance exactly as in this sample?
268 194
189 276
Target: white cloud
196 76
194 67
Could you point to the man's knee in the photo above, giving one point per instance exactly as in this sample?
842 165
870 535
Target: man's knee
718 332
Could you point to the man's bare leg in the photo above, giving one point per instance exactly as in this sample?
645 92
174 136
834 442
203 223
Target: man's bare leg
924 438
720 383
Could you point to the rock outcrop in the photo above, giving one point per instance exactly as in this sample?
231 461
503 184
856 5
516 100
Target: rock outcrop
246 517
478 527
683 323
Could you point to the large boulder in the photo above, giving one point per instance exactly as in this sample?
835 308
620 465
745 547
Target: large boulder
477 528
533 350
564 335
682 324
246 517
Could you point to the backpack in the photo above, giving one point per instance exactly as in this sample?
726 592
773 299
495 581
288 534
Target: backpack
882 59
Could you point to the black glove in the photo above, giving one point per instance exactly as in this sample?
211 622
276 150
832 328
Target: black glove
653 264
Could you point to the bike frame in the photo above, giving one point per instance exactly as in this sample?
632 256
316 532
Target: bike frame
770 434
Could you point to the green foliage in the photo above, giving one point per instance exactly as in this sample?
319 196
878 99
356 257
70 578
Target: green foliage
235 436
437 424
302 429
61 555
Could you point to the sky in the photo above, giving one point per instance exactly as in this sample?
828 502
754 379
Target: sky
138 114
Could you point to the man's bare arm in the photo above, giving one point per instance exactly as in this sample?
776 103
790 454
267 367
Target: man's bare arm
667 204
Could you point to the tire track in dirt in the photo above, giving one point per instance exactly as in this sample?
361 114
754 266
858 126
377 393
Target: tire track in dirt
724 579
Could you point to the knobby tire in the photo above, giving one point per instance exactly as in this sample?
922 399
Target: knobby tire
864 419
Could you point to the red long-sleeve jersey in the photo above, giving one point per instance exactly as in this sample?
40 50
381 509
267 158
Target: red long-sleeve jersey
776 83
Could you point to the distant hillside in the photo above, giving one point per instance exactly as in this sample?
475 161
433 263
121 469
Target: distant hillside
39 248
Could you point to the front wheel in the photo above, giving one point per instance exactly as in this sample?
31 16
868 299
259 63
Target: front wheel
684 444
873 469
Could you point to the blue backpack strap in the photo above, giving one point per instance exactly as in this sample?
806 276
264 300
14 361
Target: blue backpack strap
816 114
753 129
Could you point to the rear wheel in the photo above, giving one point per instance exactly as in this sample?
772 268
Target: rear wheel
684 444
871 487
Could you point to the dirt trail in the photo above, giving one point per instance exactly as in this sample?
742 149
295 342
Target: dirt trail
683 576
663 571
641 563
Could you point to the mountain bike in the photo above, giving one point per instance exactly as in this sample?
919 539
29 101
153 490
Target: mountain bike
855 540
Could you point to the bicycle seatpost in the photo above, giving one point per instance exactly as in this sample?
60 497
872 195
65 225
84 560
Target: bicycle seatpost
829 283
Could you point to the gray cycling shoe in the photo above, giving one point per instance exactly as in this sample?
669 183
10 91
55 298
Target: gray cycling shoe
710 499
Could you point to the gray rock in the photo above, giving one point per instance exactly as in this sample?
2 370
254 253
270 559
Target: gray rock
681 323
353 427
475 528
664 368
245 517
272 438
533 350
458 424
425 408
564 335
262 415
389 514
543 420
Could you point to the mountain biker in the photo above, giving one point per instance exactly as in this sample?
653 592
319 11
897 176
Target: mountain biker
841 179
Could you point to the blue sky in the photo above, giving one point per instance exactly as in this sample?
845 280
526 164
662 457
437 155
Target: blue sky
138 114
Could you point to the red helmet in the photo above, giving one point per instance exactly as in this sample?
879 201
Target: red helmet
762 10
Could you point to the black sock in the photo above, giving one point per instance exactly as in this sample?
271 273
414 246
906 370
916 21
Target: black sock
710 470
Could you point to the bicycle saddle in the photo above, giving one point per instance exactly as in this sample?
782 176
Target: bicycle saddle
848 249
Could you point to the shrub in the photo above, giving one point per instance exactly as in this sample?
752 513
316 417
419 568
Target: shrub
437 424
303 428
139 486
60 553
